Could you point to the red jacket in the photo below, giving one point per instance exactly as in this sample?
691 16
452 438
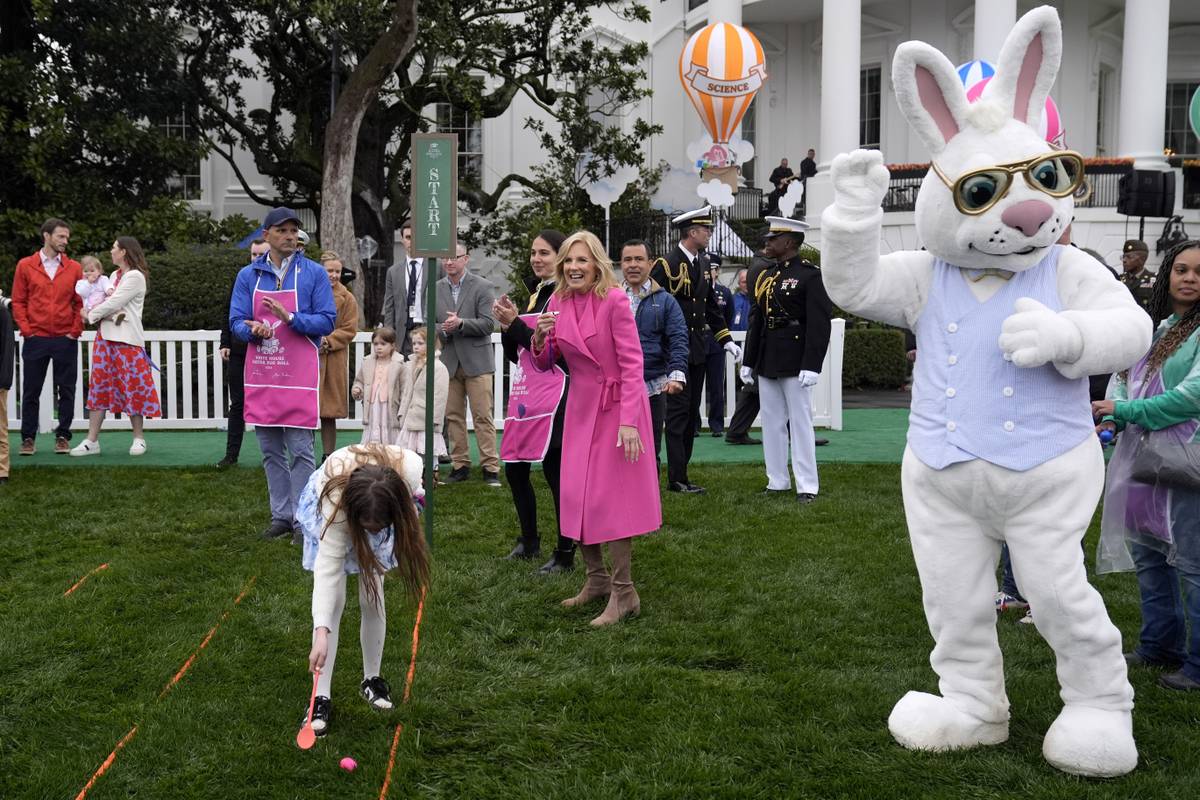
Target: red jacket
44 307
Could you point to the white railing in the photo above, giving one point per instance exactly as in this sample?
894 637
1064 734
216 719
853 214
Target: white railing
191 383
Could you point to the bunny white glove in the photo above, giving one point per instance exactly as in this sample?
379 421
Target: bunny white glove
733 350
746 374
860 180
1035 335
809 378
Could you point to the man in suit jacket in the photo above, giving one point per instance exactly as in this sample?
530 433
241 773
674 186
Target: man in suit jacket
465 325
404 293
684 273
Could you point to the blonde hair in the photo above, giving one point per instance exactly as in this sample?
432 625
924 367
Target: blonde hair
605 277
330 255
91 261
424 334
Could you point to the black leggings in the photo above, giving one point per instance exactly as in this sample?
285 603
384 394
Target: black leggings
517 473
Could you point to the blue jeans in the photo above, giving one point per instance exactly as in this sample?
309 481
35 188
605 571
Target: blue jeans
1165 613
287 455
1009 587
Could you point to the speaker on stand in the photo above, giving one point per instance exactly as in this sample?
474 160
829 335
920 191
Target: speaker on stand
1146 193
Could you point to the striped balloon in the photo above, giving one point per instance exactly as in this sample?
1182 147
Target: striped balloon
721 68
1050 127
973 72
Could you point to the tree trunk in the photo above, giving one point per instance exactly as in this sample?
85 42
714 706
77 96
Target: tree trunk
341 134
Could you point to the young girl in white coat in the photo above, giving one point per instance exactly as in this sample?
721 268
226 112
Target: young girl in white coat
379 383
414 400
359 516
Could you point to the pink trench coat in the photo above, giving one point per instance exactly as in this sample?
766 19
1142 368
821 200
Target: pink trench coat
604 497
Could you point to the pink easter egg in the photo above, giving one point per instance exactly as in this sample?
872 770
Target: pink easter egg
348 764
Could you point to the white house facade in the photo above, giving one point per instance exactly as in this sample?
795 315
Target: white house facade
1129 69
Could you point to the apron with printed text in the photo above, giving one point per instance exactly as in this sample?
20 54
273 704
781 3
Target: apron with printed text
533 398
282 372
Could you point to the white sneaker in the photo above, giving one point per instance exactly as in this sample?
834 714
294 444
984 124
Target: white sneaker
86 448
138 447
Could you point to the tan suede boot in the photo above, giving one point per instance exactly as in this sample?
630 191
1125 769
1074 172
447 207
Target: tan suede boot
623 601
598 583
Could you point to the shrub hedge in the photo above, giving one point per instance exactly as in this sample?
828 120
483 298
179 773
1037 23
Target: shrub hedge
874 358
189 286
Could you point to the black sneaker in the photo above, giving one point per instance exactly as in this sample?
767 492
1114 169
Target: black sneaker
491 478
561 561
377 693
458 475
227 462
322 709
277 530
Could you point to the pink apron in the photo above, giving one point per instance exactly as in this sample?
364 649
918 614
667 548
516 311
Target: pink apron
533 398
283 372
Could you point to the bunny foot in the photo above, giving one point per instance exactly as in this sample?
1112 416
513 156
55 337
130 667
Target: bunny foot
1091 742
922 721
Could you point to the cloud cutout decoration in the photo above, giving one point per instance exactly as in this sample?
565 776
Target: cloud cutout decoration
716 193
606 191
791 198
677 191
705 151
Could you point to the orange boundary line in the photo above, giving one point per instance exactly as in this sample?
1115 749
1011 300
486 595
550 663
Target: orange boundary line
203 644
106 764
408 682
79 582
178 675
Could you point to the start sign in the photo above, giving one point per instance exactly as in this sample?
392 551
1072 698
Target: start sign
434 194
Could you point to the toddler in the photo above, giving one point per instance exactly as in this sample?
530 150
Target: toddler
94 287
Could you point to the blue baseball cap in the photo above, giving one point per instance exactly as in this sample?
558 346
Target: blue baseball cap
278 216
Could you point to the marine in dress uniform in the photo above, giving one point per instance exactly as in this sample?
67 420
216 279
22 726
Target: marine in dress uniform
684 273
785 347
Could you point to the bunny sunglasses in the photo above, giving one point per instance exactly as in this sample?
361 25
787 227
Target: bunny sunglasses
1057 174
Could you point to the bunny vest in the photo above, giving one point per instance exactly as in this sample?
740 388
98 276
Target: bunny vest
968 400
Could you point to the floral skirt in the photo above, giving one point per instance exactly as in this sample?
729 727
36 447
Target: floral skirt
312 524
121 380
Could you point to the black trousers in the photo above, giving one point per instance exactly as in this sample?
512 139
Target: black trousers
37 352
236 373
714 365
683 418
744 412
520 483
658 412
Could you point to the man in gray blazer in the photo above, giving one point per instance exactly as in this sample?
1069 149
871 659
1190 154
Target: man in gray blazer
404 297
465 325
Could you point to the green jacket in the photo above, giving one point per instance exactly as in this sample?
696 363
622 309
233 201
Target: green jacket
1180 399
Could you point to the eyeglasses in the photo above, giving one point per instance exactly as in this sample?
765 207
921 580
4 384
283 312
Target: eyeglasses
1057 174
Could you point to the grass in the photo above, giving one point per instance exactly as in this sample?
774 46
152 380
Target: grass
773 642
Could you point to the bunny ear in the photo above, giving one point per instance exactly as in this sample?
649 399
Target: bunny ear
930 95
1028 65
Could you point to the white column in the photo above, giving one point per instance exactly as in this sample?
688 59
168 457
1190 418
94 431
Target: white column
993 20
1072 91
725 11
927 23
841 60
1140 132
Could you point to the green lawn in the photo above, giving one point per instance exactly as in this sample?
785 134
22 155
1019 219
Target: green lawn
774 640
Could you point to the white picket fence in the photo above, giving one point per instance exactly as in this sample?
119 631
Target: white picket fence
191 383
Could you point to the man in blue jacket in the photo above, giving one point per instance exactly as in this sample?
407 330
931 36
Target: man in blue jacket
281 422
662 329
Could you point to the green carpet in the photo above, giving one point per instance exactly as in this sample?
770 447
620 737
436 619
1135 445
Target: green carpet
871 435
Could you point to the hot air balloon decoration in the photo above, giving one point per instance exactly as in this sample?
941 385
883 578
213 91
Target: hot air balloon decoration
976 75
722 67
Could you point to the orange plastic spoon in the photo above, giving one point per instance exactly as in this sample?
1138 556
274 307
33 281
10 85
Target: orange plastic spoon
307 737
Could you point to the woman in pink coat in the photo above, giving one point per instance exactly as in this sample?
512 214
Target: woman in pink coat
609 492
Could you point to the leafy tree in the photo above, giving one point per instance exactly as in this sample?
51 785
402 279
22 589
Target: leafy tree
474 55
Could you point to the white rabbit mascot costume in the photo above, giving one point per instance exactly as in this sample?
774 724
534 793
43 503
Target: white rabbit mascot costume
1001 445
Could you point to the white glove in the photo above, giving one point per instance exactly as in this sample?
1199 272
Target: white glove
1035 335
860 180
746 374
808 378
733 350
